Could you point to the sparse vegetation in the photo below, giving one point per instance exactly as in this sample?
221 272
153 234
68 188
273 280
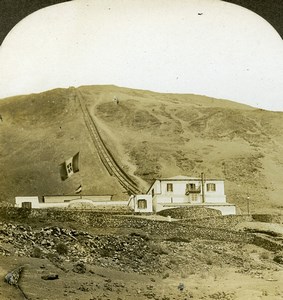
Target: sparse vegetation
264 255
222 296
106 252
173 261
184 274
157 248
278 258
62 249
37 252
142 235
264 293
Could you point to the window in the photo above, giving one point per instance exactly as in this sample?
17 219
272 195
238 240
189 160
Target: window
169 187
142 204
211 187
194 197
152 192
191 186
26 205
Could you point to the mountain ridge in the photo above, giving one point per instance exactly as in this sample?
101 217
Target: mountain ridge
150 135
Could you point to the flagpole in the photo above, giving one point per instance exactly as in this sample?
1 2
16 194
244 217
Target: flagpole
79 195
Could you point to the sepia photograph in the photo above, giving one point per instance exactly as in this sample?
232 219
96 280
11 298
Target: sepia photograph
141 149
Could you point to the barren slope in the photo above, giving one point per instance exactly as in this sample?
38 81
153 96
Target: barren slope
38 133
150 134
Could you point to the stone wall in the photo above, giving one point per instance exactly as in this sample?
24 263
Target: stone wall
59 215
225 222
164 230
190 212
268 218
267 243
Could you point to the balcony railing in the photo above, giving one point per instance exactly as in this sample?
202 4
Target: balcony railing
192 190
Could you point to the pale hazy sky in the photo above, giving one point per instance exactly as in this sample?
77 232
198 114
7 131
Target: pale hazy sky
205 47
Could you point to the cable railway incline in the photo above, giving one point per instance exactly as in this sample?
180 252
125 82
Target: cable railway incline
106 157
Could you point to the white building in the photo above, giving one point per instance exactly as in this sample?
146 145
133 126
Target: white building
75 201
181 191
164 193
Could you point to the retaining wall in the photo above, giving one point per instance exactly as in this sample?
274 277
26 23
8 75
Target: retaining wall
268 218
225 222
190 212
155 229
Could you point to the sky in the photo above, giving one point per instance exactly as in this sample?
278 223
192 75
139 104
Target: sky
205 47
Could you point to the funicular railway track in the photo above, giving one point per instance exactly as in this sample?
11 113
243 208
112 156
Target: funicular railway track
106 157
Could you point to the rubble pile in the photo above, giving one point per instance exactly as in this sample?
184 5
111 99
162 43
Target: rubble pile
128 250
132 252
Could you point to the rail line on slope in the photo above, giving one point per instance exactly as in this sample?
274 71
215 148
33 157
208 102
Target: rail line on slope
105 155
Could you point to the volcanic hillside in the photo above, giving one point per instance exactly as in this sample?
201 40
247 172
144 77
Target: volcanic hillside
149 134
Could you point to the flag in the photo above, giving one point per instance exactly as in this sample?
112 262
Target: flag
78 190
69 167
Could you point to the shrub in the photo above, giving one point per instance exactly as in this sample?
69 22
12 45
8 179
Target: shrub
158 249
62 249
264 255
36 252
173 261
278 259
54 257
142 235
184 274
79 267
24 212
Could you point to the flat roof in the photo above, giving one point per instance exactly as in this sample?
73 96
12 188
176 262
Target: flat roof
189 179
181 177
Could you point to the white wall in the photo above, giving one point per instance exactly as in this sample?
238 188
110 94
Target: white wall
179 190
148 199
59 199
85 203
33 200
225 209
179 187
36 204
217 196
62 199
156 187
214 198
53 205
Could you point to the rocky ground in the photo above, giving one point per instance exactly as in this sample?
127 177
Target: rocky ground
70 261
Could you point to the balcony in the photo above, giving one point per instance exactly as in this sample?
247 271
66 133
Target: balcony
192 190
